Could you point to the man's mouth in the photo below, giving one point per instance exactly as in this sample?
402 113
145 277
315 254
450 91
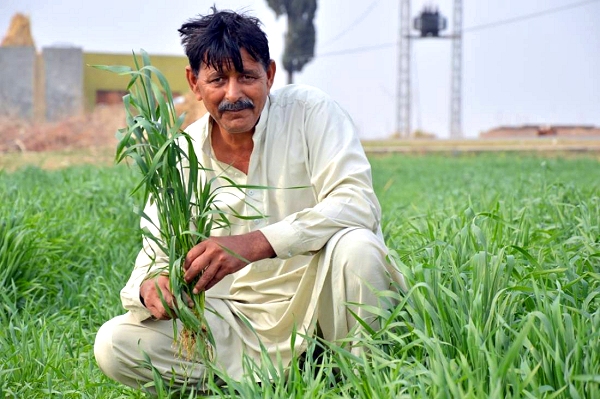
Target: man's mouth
240 105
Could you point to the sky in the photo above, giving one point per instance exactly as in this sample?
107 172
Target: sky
533 70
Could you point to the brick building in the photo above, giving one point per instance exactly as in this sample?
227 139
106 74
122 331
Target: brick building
531 131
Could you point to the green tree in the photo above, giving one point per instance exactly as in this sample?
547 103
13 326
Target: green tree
300 36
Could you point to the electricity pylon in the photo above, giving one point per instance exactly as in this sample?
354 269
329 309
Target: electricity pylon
429 23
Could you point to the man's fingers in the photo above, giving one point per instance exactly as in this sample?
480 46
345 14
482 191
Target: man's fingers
198 266
208 274
212 283
187 300
191 256
160 314
159 311
165 305
161 300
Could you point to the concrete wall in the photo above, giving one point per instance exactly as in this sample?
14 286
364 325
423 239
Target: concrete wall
17 81
63 73
60 81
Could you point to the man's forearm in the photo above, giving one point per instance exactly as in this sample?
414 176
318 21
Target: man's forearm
259 247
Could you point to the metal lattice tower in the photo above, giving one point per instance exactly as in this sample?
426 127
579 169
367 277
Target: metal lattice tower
403 89
403 94
456 77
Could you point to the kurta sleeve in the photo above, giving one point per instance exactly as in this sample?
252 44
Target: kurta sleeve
340 176
150 259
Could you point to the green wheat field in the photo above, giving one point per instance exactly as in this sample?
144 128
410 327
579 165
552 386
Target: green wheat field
501 253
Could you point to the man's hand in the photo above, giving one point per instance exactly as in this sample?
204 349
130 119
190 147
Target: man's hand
149 291
217 257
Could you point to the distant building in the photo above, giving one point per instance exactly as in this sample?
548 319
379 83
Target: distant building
103 87
60 81
530 131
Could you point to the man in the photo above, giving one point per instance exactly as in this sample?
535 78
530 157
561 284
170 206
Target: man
317 242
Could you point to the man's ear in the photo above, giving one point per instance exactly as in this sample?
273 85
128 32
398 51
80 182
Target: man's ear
192 79
271 69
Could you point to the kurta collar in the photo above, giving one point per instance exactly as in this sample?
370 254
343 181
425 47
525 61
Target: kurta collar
261 126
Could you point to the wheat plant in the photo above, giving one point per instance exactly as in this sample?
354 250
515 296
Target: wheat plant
173 181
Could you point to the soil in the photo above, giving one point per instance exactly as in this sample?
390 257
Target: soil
96 129
87 138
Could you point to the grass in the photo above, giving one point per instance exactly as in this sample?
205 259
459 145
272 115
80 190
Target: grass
502 254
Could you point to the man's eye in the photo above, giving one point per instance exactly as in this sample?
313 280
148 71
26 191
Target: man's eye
217 80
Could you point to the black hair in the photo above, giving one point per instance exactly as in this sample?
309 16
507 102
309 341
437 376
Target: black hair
216 40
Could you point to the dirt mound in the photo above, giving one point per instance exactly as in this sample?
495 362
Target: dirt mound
96 129
19 33
92 130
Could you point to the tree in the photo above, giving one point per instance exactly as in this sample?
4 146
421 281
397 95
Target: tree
300 36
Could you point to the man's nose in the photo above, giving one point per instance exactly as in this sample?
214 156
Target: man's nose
233 91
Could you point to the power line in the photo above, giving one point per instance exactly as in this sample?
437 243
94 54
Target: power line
528 16
354 23
365 49
357 49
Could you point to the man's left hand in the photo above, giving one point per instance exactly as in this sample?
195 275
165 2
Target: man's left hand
217 257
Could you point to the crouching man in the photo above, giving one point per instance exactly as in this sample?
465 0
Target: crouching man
316 248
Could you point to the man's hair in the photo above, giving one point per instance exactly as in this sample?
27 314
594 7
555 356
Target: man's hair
216 40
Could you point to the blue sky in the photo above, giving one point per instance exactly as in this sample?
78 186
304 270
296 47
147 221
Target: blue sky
543 70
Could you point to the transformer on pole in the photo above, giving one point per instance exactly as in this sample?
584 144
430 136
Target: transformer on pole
429 24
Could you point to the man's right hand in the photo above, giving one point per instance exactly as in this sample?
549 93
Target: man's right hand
149 292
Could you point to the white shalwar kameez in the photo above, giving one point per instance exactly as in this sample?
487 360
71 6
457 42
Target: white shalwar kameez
318 211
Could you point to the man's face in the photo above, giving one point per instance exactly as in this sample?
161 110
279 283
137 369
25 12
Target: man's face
234 99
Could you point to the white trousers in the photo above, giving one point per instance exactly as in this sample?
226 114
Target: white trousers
358 269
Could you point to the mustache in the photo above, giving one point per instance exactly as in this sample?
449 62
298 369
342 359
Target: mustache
239 105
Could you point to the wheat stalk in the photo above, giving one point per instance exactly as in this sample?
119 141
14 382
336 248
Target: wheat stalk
171 179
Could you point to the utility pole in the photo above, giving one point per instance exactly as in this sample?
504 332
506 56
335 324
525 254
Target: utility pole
430 23
456 77
403 89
